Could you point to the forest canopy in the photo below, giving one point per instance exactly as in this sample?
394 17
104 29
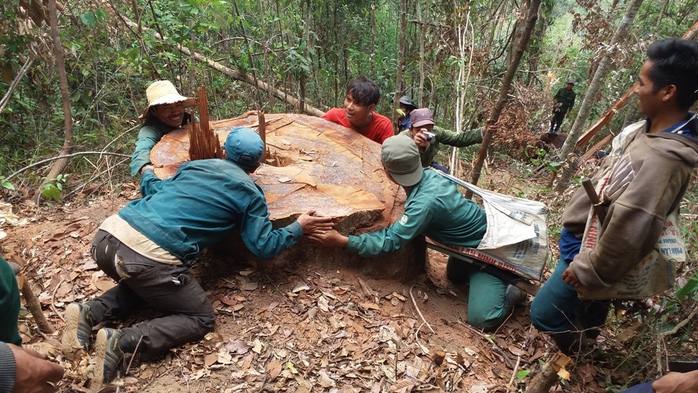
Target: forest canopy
452 56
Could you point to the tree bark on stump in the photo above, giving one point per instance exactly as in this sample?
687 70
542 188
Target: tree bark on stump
314 164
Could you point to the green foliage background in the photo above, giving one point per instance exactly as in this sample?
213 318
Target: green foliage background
307 46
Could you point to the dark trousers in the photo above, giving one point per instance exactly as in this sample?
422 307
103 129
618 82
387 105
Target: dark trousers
643 388
142 281
556 122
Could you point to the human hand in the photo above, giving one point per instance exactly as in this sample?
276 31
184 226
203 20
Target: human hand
146 166
570 279
312 224
420 139
33 373
677 383
329 238
492 128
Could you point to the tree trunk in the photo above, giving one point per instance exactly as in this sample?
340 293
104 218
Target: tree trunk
521 44
536 48
337 92
373 39
68 143
402 46
315 164
661 15
594 88
422 40
461 84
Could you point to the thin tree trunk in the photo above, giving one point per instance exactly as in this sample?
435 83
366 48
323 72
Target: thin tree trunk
68 143
594 88
373 39
402 45
685 11
23 71
521 44
661 15
306 38
422 40
461 83
337 93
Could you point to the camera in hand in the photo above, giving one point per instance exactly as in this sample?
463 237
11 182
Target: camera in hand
431 137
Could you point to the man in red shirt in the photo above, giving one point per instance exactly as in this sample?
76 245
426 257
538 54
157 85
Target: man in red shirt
362 97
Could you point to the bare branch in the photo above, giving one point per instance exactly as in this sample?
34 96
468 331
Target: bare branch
82 153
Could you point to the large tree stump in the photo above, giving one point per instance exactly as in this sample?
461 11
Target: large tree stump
314 164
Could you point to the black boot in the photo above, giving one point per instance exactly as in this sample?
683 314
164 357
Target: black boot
570 343
457 271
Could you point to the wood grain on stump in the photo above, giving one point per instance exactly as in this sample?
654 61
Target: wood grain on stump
314 164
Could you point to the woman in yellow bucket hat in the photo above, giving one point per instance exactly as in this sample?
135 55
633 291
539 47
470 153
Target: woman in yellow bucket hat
164 113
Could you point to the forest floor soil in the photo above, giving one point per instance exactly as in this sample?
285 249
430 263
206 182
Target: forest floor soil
298 328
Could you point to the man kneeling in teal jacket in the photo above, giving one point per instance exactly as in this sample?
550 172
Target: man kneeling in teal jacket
435 208
148 245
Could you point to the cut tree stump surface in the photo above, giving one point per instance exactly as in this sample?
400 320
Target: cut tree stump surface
314 164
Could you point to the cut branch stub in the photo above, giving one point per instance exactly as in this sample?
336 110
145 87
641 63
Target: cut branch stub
314 164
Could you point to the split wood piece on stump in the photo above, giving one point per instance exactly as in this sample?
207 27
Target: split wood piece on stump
314 164
204 143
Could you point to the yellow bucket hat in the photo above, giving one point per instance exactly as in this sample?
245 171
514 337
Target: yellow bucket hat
161 92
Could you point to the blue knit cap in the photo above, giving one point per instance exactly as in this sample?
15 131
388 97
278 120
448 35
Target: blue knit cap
244 147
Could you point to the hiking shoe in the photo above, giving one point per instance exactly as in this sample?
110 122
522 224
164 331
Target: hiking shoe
78 328
15 267
514 296
109 355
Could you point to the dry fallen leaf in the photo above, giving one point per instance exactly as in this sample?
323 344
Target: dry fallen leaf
369 306
104 284
224 357
210 359
273 369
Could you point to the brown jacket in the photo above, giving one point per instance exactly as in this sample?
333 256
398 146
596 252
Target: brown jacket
648 181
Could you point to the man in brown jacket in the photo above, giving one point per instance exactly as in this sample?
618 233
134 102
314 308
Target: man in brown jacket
645 178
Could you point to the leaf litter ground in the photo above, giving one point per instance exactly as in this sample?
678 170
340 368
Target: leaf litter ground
297 328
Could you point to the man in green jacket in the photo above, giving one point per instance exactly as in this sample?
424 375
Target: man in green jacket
148 245
435 208
428 137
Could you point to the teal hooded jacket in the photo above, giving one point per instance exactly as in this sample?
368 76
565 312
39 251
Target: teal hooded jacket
201 205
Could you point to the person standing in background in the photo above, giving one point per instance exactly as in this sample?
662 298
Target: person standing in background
564 101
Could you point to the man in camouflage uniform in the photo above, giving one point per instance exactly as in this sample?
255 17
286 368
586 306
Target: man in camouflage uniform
564 101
